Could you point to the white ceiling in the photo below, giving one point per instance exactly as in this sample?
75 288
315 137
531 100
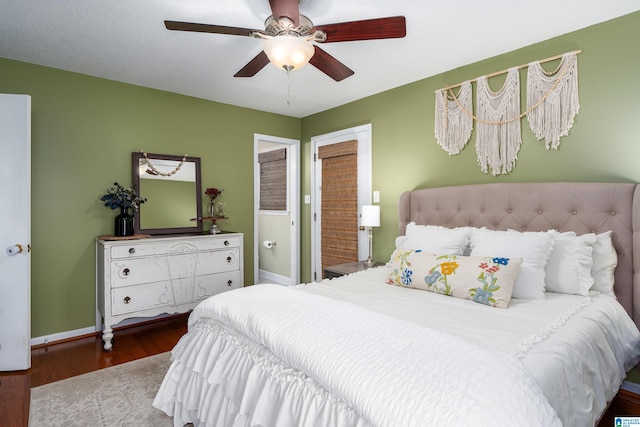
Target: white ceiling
125 40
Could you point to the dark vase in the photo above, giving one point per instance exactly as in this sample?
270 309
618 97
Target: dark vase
124 223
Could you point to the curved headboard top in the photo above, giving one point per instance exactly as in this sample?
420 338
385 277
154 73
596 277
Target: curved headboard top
563 206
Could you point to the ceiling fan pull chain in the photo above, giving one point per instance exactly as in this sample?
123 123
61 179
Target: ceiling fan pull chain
288 68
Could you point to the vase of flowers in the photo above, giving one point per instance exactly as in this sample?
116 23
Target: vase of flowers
213 194
128 202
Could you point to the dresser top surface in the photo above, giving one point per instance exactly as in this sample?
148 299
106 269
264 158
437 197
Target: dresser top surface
166 237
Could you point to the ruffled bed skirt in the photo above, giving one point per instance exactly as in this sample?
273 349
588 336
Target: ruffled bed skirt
218 378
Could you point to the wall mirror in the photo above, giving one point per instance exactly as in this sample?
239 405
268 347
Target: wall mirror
174 199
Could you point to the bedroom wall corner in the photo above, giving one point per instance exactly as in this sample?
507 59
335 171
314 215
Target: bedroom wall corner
84 129
601 146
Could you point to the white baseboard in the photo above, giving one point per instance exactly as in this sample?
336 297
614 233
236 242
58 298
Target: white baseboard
270 277
632 387
47 339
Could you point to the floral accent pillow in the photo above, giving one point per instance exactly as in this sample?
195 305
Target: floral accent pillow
483 279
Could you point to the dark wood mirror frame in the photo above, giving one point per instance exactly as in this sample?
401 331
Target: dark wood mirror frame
197 228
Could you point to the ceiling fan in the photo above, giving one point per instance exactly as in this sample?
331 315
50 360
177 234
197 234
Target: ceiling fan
288 36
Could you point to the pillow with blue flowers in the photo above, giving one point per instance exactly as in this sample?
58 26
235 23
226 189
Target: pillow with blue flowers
483 279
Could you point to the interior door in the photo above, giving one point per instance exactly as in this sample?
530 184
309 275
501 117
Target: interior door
15 232
276 210
338 158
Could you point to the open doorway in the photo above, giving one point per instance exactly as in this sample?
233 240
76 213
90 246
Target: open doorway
340 185
276 210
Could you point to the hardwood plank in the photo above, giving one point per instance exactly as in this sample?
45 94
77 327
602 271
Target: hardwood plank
625 403
60 360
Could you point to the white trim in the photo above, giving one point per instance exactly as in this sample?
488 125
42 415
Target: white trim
363 134
48 339
274 278
90 330
293 203
632 387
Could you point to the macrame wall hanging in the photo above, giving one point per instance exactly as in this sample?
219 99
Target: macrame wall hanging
552 104
552 99
453 127
498 139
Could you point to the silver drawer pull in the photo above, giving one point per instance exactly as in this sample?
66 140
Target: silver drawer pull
226 243
229 259
132 251
127 300
229 282
126 271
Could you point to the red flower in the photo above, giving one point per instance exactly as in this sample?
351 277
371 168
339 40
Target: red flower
213 193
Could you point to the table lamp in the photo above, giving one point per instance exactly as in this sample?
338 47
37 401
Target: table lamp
370 218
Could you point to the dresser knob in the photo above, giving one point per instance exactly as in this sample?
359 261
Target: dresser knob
229 282
127 300
226 243
229 259
132 251
126 271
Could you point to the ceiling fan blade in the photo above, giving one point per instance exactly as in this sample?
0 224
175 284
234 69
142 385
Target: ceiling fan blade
330 65
286 8
255 65
206 28
368 29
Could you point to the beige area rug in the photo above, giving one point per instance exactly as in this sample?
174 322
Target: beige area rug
117 396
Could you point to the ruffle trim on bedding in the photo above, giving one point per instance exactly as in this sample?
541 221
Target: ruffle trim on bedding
220 378
532 340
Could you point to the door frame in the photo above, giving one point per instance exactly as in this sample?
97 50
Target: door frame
363 135
293 205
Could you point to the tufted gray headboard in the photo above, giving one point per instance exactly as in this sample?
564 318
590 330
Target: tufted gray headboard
564 206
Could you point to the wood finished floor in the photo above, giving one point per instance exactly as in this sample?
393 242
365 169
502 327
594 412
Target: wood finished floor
67 359
58 361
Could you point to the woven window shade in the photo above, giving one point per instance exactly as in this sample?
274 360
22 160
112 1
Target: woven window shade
339 224
273 180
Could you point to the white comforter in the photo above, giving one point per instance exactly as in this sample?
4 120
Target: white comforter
275 356
577 348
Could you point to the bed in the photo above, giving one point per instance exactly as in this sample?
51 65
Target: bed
385 348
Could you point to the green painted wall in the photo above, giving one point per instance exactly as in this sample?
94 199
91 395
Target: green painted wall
276 228
85 128
602 146
83 132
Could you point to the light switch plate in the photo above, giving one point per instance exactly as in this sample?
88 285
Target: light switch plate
376 197
307 199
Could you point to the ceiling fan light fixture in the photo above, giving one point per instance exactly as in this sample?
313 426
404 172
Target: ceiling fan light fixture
288 52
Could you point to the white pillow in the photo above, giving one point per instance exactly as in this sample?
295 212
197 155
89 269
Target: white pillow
435 239
605 261
533 247
568 269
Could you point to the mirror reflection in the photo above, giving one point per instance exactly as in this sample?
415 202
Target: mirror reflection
171 185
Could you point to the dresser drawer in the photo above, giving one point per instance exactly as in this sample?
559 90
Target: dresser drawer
213 284
141 270
135 250
218 261
135 271
130 299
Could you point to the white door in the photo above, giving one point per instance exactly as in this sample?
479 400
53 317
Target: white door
15 232
362 134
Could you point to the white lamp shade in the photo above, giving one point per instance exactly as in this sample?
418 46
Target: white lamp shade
370 216
290 51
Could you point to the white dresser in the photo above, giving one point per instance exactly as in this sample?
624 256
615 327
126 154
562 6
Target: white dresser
163 274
